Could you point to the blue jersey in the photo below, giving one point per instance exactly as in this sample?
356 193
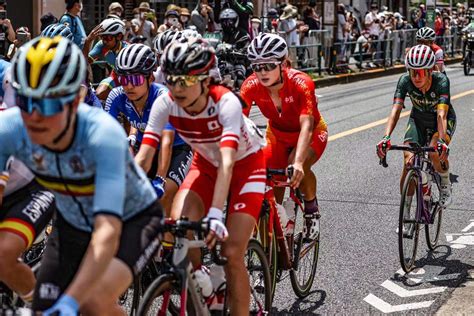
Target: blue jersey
100 52
118 104
95 175
4 65
77 28
92 99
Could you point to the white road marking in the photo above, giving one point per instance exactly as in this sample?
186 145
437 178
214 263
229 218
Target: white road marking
386 308
444 277
402 292
468 227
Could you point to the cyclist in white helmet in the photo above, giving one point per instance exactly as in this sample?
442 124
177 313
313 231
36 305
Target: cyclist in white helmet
429 92
427 36
111 32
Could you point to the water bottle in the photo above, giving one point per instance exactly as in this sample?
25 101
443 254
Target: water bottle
203 280
282 214
289 206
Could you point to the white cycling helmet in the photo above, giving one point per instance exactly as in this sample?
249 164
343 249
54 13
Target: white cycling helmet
426 34
48 68
420 57
53 30
189 33
164 39
135 59
112 26
267 46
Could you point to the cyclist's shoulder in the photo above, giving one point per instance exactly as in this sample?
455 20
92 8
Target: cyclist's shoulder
404 80
156 90
440 80
66 18
10 119
219 93
298 80
251 84
95 121
436 48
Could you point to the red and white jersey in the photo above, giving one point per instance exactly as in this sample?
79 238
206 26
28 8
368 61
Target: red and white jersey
439 56
220 124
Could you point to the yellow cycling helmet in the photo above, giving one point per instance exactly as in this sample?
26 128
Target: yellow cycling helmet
48 68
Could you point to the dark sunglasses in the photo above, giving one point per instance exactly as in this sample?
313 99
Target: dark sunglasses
265 66
135 80
420 73
45 106
107 38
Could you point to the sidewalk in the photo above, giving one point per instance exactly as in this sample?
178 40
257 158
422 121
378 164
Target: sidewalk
461 301
368 74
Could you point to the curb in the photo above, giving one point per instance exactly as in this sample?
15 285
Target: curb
369 74
460 301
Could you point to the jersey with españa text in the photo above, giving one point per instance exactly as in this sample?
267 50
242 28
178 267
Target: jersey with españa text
118 104
297 98
95 175
219 124
425 103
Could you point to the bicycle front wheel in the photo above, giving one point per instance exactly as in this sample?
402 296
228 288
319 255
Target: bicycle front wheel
260 280
433 230
163 298
408 228
269 245
305 259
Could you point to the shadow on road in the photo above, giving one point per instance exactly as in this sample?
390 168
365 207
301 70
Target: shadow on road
304 306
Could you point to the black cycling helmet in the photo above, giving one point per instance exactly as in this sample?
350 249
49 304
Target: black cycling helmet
192 58
135 59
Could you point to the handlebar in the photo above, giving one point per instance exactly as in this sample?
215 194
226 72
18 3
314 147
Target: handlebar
280 172
181 226
411 147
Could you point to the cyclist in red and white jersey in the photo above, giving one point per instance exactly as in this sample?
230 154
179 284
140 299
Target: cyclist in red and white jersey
209 118
427 36
296 133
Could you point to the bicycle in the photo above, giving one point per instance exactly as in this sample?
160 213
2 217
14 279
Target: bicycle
428 213
169 293
287 251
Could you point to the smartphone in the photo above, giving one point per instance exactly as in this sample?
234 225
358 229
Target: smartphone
3 15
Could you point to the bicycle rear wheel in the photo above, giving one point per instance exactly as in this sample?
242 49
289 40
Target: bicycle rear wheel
408 228
163 298
260 281
432 231
305 258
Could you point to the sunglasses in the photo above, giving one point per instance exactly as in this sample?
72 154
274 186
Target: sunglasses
135 80
107 38
183 80
45 106
420 73
265 66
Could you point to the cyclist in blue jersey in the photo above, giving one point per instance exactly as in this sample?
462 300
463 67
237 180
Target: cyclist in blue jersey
133 101
64 31
4 85
108 215
111 32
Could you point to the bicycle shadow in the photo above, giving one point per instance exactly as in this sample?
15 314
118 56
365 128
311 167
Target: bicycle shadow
303 306
448 273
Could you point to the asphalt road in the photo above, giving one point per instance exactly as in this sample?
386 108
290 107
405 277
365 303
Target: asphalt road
357 270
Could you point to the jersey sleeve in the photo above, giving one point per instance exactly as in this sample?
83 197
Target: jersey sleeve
245 94
110 148
10 129
112 104
66 20
159 116
169 127
401 90
230 117
444 92
308 102
96 52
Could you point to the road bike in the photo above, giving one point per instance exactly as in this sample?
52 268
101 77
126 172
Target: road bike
175 292
424 210
287 250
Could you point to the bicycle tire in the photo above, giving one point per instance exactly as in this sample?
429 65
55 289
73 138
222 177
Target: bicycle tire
262 270
467 64
162 285
269 245
432 231
408 230
302 284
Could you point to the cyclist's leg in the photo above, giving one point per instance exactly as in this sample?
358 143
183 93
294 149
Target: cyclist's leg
413 134
276 156
29 211
137 244
194 197
246 191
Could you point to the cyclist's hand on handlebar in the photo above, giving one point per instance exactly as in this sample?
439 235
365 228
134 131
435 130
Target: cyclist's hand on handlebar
65 306
297 175
383 146
443 150
159 185
217 229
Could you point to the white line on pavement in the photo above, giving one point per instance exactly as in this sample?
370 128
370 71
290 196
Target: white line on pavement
386 308
402 292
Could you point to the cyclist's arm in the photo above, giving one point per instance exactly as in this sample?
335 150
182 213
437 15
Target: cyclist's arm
151 139
166 151
304 138
393 118
245 94
110 149
224 176
442 107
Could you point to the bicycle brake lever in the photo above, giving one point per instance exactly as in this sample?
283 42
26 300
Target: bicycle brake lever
383 162
289 171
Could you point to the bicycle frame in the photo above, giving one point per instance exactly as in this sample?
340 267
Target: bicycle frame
285 243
